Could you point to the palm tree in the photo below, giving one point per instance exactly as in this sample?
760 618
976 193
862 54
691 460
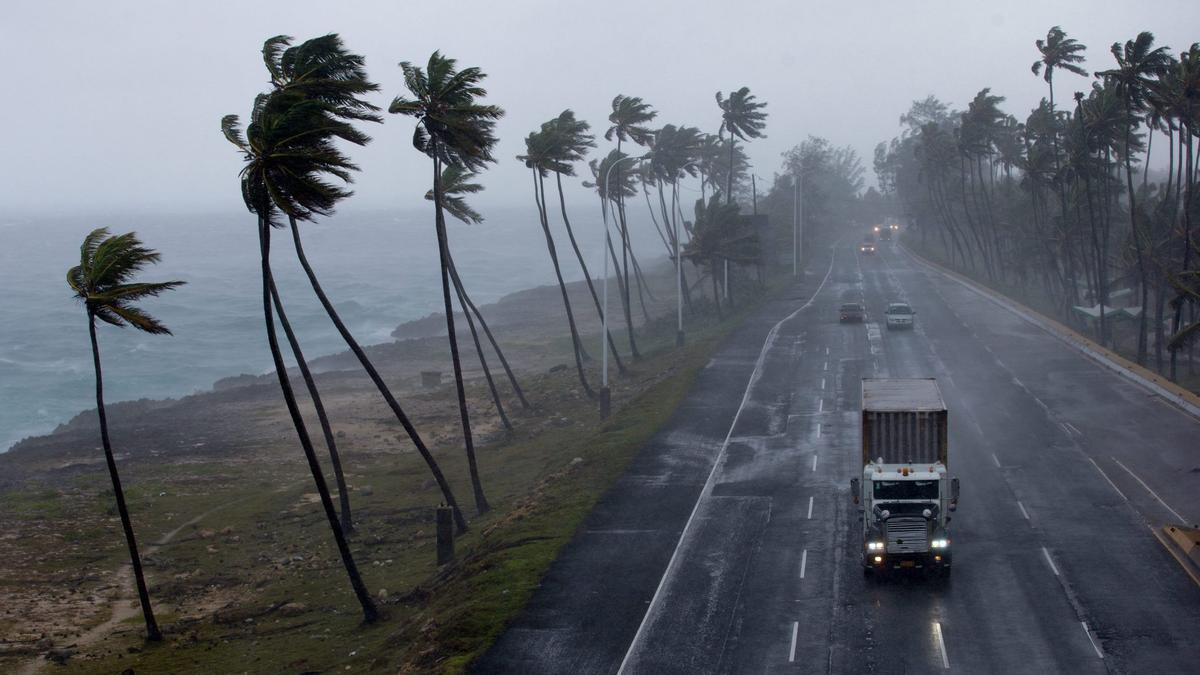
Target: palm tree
538 158
103 282
741 117
629 117
567 142
456 183
1139 64
287 146
453 129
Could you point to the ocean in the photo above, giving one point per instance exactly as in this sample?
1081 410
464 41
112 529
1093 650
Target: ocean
379 269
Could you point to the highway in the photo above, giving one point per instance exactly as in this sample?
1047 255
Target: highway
731 545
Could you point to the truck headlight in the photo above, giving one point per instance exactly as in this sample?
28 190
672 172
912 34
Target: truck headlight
940 543
874 545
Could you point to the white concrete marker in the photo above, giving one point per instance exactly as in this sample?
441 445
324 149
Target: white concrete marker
795 634
810 505
803 562
1023 511
1152 492
1050 561
941 644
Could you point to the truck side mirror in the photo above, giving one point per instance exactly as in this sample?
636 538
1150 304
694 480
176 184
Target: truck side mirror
953 494
854 489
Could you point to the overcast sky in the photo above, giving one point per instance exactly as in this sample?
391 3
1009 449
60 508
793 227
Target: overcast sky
115 104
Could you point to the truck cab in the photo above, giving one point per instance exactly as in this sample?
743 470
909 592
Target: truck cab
905 494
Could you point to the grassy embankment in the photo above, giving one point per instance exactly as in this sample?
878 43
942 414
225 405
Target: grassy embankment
255 585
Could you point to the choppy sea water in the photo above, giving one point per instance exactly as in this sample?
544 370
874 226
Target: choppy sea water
380 269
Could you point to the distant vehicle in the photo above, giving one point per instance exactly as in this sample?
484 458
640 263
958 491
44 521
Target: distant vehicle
852 312
885 234
867 247
894 227
905 493
899 315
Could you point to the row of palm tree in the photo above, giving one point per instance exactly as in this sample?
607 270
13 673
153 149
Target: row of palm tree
1054 204
295 170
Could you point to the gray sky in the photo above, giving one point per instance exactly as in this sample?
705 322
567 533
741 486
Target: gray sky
115 105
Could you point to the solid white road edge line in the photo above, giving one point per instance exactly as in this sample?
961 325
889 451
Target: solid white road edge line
1095 646
941 644
996 460
1023 511
1114 485
1152 492
1050 561
712 474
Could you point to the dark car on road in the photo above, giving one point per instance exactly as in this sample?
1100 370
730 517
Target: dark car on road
852 312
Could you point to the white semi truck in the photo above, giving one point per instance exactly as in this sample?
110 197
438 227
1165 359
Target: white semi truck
905 494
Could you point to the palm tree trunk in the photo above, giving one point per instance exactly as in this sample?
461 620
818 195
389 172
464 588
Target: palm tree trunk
630 261
729 179
481 503
587 276
512 379
1137 237
487 373
716 289
384 391
370 614
152 632
623 271
347 520
562 287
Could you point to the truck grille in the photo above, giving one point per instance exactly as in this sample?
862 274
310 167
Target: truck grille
907 535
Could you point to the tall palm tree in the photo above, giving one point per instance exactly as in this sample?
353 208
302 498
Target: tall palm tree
456 184
287 146
567 142
1139 64
629 117
741 117
538 158
103 282
453 129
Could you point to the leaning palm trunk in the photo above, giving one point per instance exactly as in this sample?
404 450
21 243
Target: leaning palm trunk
624 272
481 503
587 276
487 372
377 379
539 193
512 379
310 383
370 614
152 632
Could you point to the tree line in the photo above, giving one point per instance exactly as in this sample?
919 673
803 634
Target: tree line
1065 205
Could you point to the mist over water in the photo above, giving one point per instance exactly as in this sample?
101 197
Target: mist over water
379 268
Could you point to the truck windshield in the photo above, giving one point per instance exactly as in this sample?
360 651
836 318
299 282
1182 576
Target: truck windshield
906 489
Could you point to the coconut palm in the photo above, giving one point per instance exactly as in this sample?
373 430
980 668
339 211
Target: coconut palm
456 183
287 147
567 142
103 282
629 117
741 117
1139 64
453 129
538 158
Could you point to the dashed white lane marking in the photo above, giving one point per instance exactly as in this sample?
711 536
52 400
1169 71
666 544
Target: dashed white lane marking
814 463
996 460
1092 640
1114 485
826 367
818 429
821 406
1023 511
795 634
822 383
810 505
827 351
941 644
1152 492
1070 429
1050 561
803 562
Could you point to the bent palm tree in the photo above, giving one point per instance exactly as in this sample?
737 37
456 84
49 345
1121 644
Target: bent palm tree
456 182
103 282
741 117
452 129
287 145
538 159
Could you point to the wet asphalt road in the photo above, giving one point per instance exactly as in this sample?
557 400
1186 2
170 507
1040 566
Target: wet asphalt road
731 545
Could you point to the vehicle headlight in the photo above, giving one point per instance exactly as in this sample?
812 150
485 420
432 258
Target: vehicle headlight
874 545
940 543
